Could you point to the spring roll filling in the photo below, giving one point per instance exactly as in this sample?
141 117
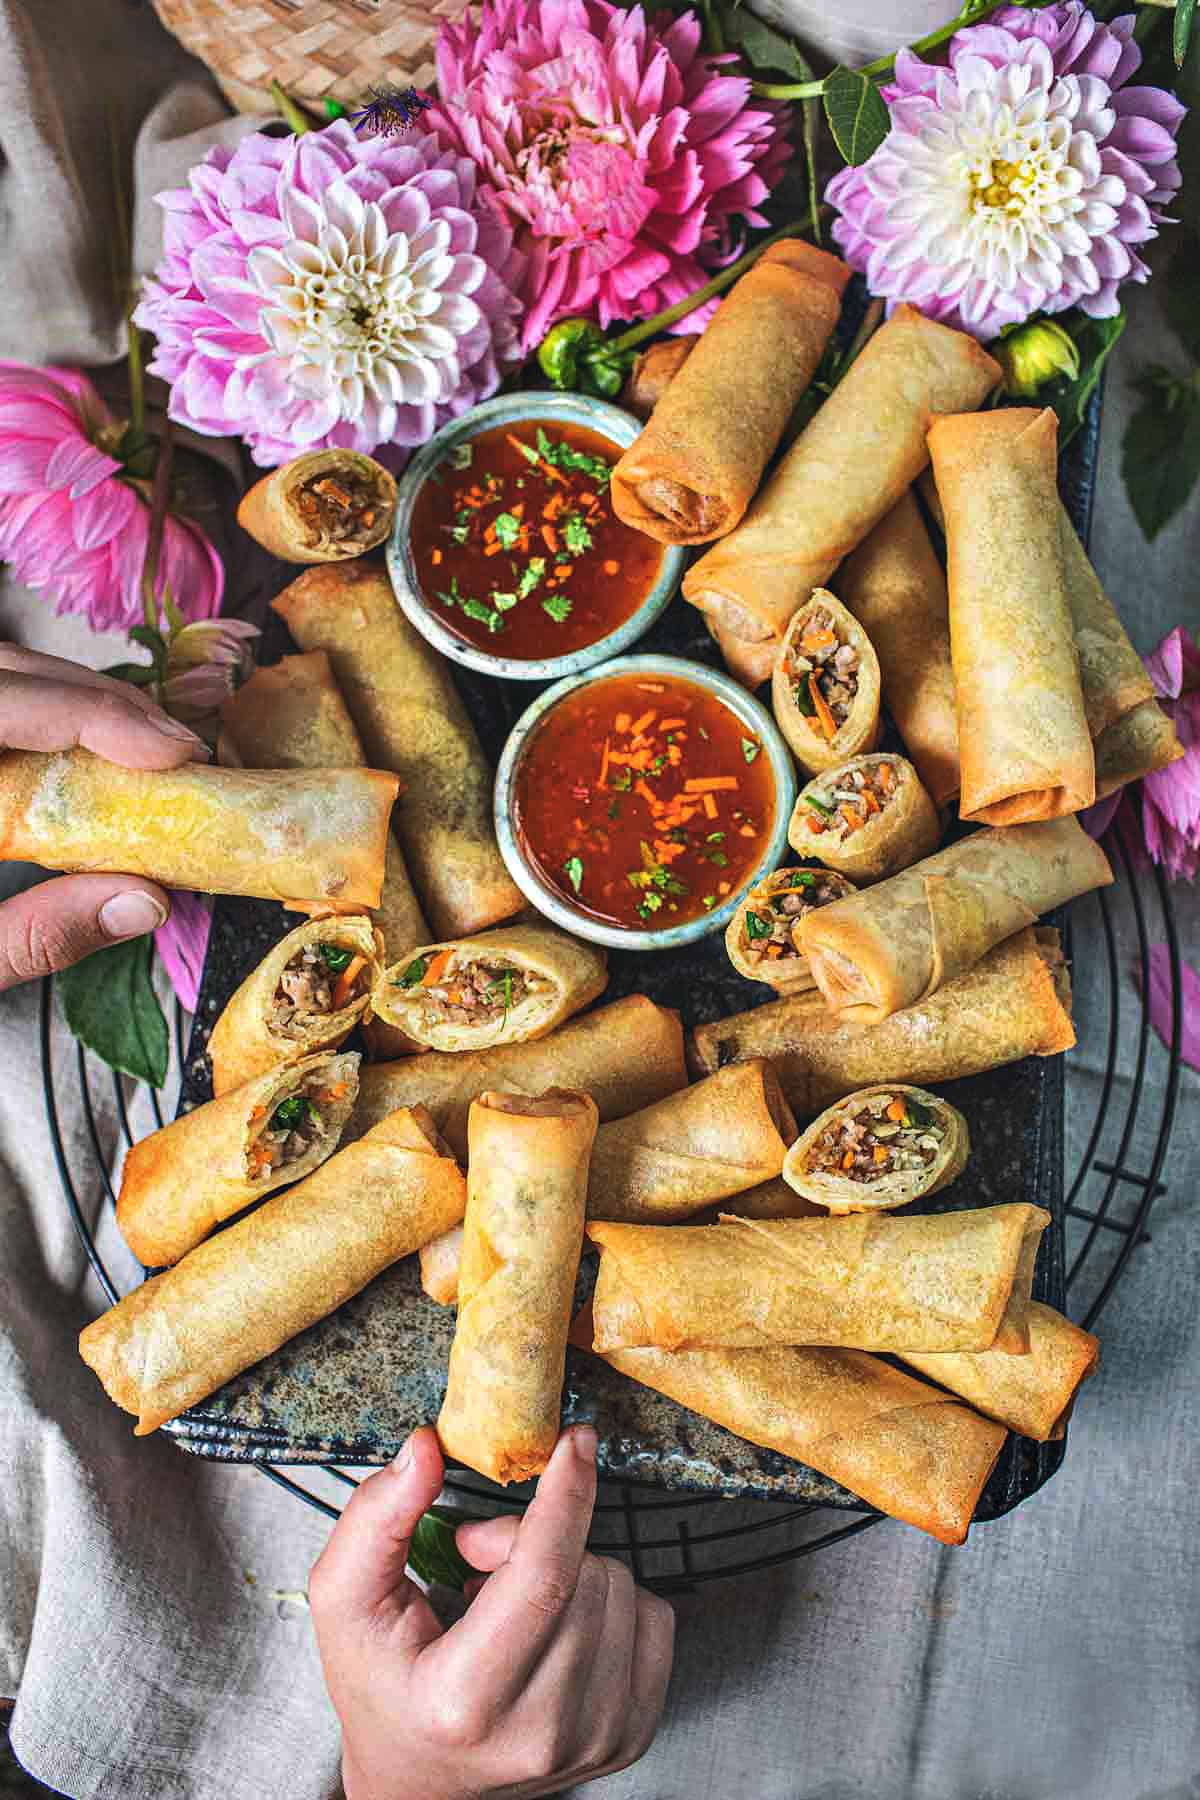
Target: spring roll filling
842 801
823 671
298 1122
681 505
770 923
882 1134
320 979
471 994
337 508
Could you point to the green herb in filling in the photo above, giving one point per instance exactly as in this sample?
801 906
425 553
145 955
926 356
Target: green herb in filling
291 1113
415 973
757 927
334 957
819 806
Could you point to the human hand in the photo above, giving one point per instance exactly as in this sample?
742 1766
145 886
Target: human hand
557 1673
49 704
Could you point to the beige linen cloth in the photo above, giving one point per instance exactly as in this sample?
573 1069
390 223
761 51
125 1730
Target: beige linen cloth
141 1628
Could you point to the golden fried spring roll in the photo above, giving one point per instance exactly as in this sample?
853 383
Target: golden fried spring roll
762 937
1024 746
894 585
904 938
947 1282
825 685
212 1162
653 371
851 464
506 986
412 721
1016 1002
279 835
901 1446
868 818
693 471
880 1147
322 507
232 1301
1031 1394
751 664
1137 744
522 1237
307 994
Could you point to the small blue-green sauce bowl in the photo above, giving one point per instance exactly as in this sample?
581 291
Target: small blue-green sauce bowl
555 905
513 409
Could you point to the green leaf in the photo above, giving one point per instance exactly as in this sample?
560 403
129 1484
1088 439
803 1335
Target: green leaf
152 640
573 870
750 749
857 114
433 1555
576 535
1185 17
1095 339
757 927
1160 458
415 973
1181 293
534 570
109 1003
765 48
291 1113
508 529
559 608
139 674
335 957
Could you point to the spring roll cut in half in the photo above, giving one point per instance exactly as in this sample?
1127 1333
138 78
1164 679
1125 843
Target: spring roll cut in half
503 987
867 819
693 471
901 940
763 936
1031 1394
825 685
276 835
653 371
526 1192
234 1300
321 507
212 1162
879 1148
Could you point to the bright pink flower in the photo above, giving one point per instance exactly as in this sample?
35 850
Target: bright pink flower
182 943
617 150
71 523
1171 796
1160 1001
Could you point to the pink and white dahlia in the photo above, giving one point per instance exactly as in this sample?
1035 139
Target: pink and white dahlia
617 150
331 290
1020 179
73 523
1171 796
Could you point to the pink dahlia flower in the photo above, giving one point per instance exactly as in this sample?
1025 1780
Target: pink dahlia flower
331 290
618 152
72 524
182 943
1171 796
1021 179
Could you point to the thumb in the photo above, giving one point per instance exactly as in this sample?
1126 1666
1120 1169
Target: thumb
56 923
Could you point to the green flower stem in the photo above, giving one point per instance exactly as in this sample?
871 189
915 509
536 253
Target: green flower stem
137 381
160 500
293 114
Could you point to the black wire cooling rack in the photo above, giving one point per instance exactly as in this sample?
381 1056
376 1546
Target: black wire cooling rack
674 1542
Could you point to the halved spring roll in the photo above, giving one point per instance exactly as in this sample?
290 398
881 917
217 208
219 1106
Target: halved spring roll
289 835
878 1148
307 994
502 987
234 1300
321 507
868 818
762 937
1031 1394
212 1162
653 371
1016 1002
904 938
523 1232
948 1282
825 685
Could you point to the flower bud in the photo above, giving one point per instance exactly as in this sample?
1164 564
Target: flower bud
1034 353
563 348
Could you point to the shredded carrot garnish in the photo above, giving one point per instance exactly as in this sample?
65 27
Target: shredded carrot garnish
611 567
886 779
258 1112
881 1154
550 539
561 571
435 557
813 641
622 723
896 1111
437 968
640 725
852 818
848 1160
604 763
333 1092
710 807
651 687
828 722
710 784
346 980
872 802
492 549
722 887
651 799
672 724
815 825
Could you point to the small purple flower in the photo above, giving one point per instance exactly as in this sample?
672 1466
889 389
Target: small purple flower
1171 796
391 111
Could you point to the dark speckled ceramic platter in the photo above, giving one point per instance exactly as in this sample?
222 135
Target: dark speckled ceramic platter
351 1388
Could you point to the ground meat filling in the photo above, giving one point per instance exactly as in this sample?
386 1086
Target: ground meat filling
823 671
297 1123
476 994
337 507
312 986
771 920
844 800
885 1134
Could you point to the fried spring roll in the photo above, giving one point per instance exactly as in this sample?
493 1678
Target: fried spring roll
1031 1394
234 1300
762 937
322 507
653 371
693 471
317 837
522 1237
880 1147
825 685
507 986
901 940
1137 744
851 464
412 721
1016 1002
212 1162
868 818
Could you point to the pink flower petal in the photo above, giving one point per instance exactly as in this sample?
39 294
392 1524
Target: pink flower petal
182 944
1161 1002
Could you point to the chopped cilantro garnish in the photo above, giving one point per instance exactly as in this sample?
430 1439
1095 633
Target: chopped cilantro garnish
658 765
504 602
649 903
507 528
702 732
334 957
527 449
614 809
415 973
717 857
559 608
452 598
623 780
677 835
750 748
757 927
715 837
562 456
534 571
708 902
573 870
487 615
500 991
576 535
462 456
460 531
291 1113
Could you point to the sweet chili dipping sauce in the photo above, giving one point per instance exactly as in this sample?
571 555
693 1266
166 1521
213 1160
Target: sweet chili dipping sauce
516 545
644 800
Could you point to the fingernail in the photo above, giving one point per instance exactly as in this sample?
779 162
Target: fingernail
586 1442
173 729
131 915
402 1461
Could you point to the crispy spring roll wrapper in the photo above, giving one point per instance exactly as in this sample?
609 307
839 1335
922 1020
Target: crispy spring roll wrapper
292 1261
772 911
903 829
1015 1002
324 506
653 370
903 939
207 1164
695 468
626 1056
901 1446
927 1150
260 1029
1031 1394
1024 745
412 721
749 663
549 977
801 724
522 1237
1137 744
282 834
947 1282
847 468
894 586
